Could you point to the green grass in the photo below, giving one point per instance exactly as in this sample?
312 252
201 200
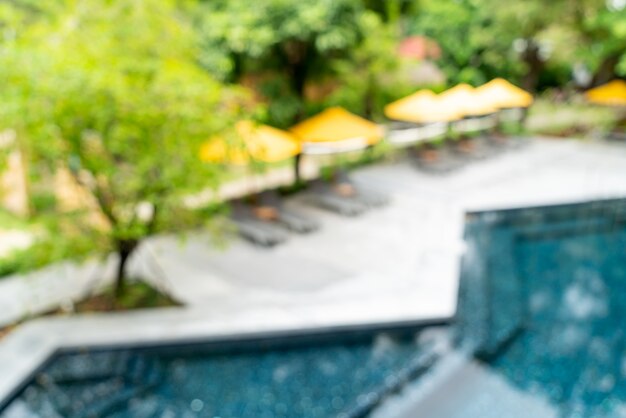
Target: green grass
137 295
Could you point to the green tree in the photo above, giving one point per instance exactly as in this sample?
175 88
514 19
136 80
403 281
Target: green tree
392 11
565 33
287 43
371 75
473 50
111 90
521 40
595 36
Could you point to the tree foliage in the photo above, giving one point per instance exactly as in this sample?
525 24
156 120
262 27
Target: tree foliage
285 43
524 40
372 73
123 92
111 91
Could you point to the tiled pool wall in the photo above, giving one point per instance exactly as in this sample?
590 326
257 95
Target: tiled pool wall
492 299
572 350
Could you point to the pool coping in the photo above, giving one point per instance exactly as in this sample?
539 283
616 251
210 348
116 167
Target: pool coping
25 351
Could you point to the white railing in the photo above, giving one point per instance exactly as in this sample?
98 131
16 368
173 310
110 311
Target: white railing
413 135
475 124
335 147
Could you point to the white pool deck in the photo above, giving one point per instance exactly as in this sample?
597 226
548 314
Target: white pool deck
394 264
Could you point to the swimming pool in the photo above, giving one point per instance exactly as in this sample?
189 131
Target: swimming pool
332 374
540 318
544 300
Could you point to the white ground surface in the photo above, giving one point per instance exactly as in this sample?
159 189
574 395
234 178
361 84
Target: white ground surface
392 264
396 263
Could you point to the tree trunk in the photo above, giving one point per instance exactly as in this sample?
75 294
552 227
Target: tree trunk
535 66
124 249
369 98
297 169
606 70
297 55
299 73
237 71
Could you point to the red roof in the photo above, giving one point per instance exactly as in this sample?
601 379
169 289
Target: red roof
419 47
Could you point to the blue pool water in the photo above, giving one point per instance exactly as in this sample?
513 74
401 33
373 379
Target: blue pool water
573 347
332 378
545 305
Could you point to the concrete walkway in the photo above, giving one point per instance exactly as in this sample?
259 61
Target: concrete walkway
396 263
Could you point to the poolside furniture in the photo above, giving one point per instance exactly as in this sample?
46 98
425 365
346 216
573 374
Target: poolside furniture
254 229
611 94
292 220
478 116
512 103
420 120
261 218
435 160
405 134
332 132
326 195
370 198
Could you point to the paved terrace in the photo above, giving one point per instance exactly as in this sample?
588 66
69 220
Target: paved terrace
392 264
398 263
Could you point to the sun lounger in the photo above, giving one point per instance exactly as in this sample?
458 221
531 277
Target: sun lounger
445 162
253 229
292 220
371 198
322 195
472 149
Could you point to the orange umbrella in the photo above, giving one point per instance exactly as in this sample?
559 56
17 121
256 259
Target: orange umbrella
256 142
335 131
503 95
423 106
337 124
465 101
610 94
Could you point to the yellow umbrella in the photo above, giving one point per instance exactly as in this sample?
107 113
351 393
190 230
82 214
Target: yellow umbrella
501 94
259 142
610 94
422 106
336 125
463 99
